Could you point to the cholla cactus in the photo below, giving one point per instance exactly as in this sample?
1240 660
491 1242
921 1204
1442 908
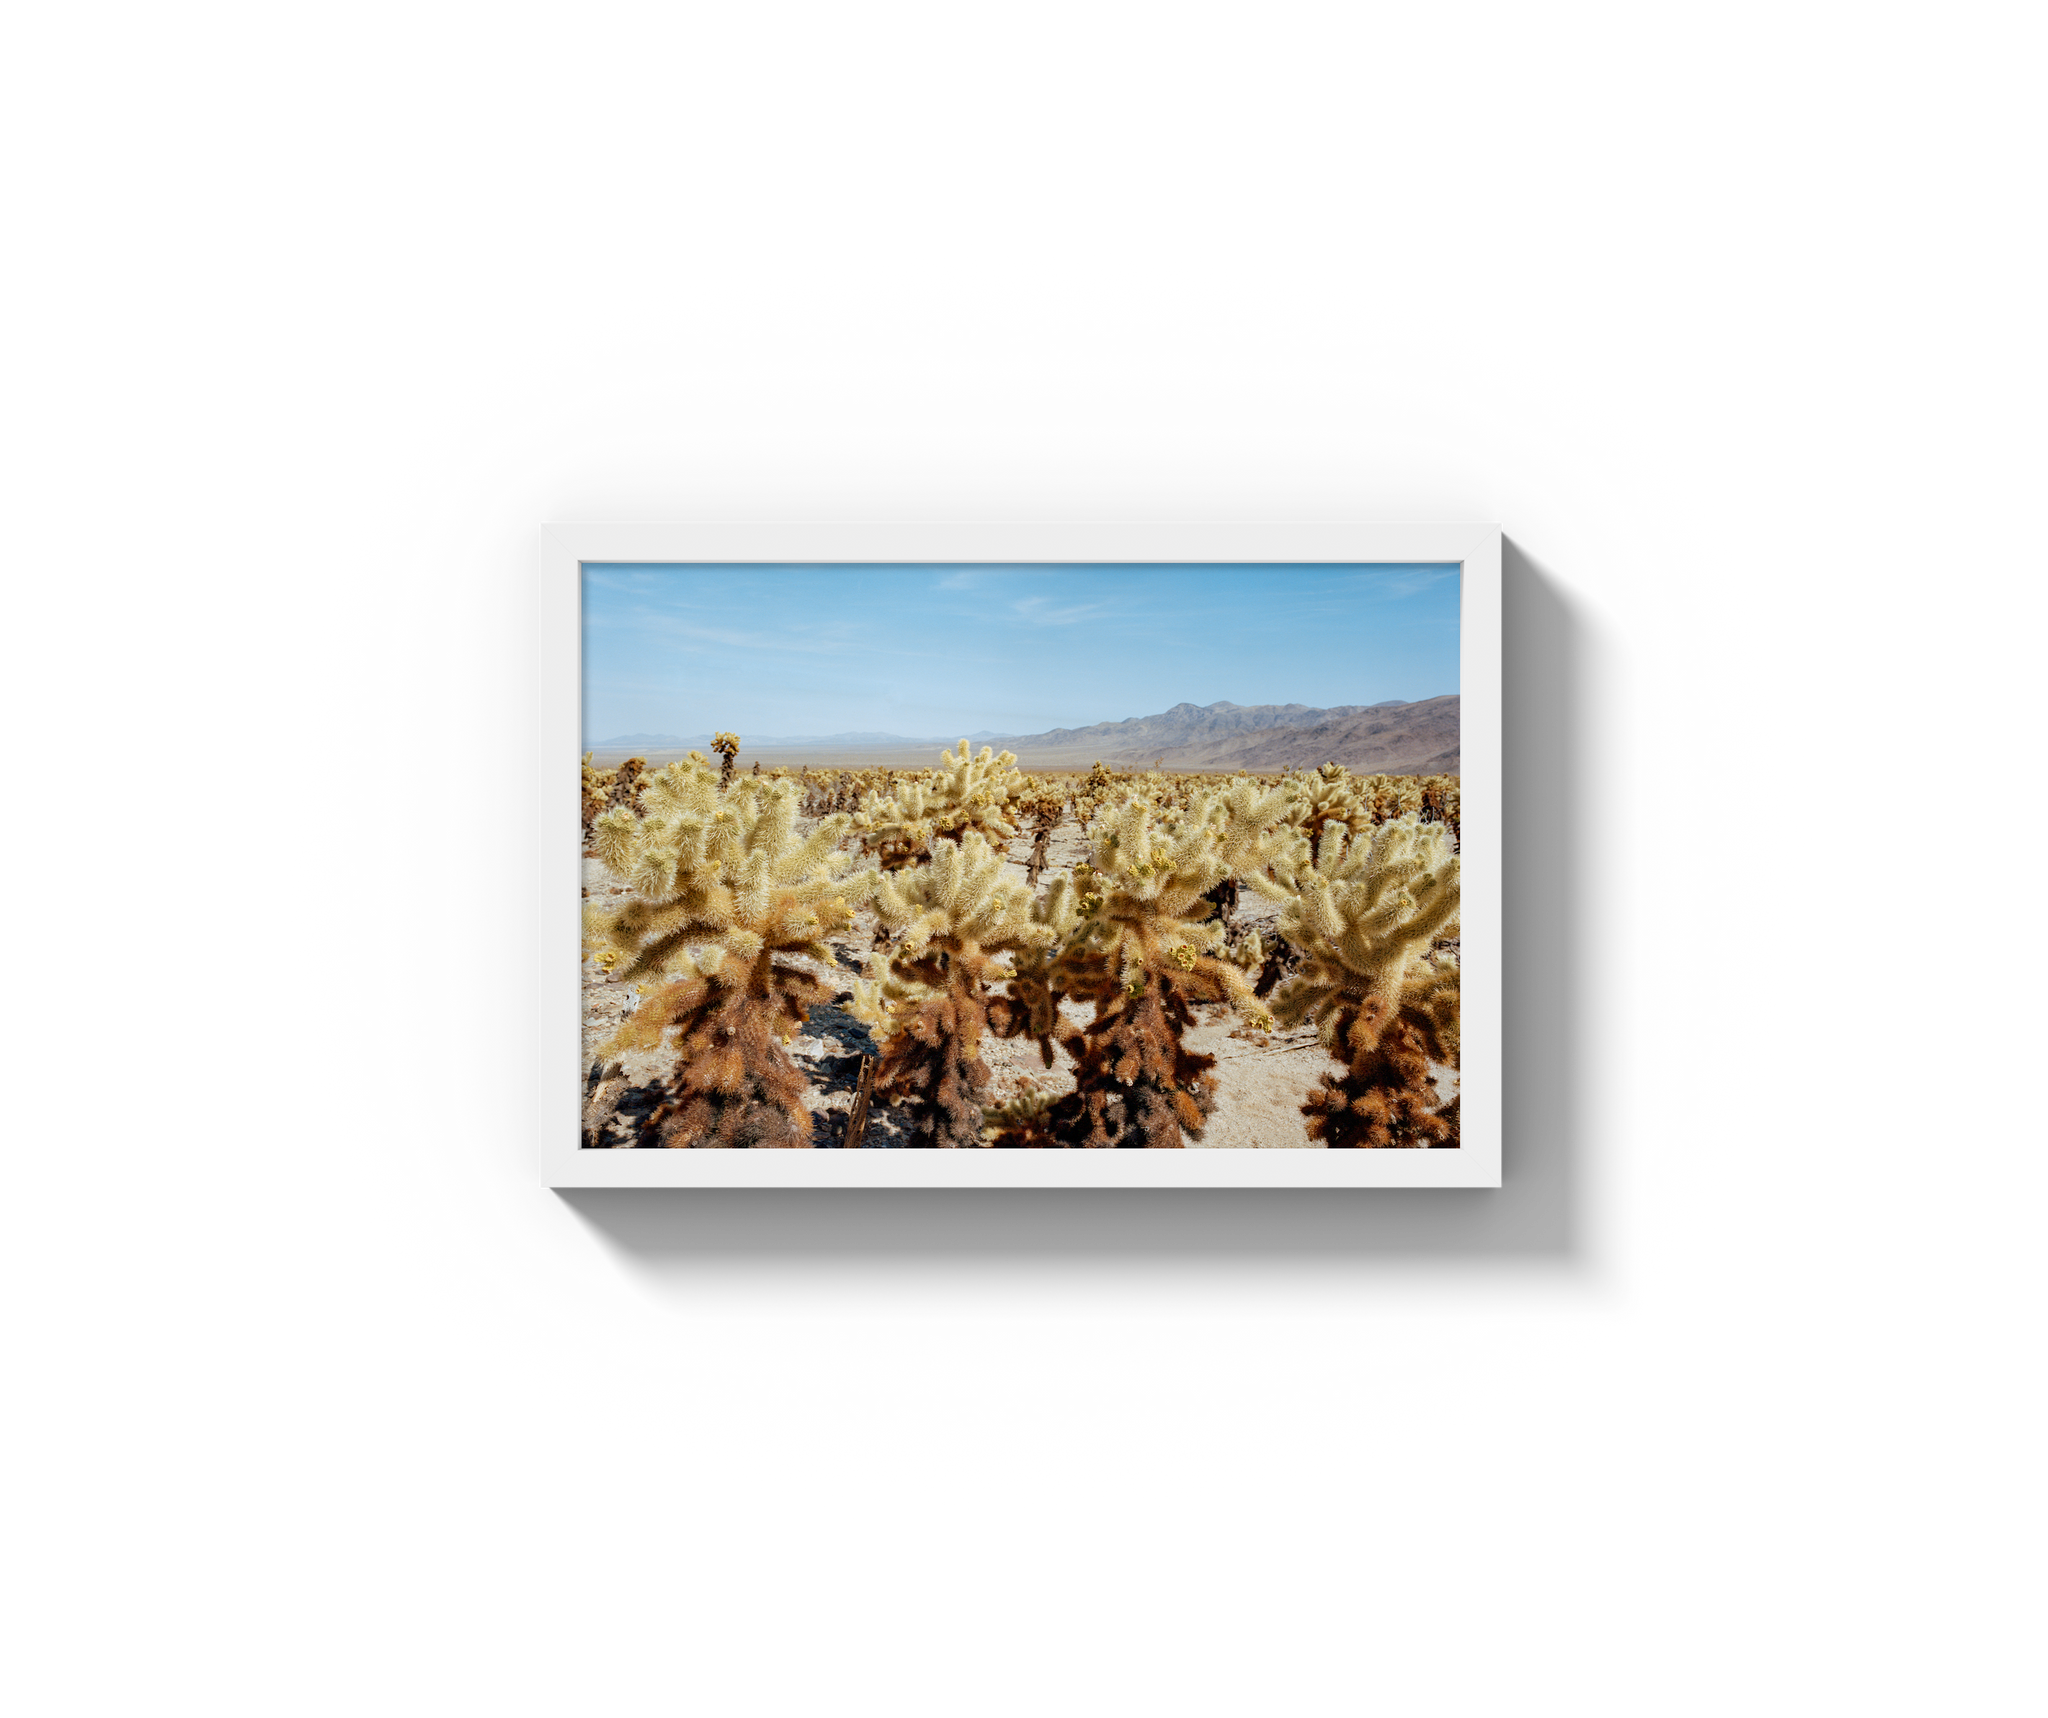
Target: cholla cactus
596 791
1440 802
1030 1120
1031 1009
1330 795
1393 796
1367 914
1147 946
727 746
955 920
970 792
722 885
1041 854
626 779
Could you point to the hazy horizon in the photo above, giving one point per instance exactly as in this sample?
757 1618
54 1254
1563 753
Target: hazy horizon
944 649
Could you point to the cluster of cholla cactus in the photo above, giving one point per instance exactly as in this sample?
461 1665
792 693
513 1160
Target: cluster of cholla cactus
729 904
626 781
603 789
1440 802
824 791
1041 799
1392 796
1332 795
596 792
827 791
1146 946
1369 913
956 921
1094 790
722 885
969 793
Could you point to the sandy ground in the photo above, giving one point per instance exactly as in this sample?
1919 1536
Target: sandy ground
1261 1077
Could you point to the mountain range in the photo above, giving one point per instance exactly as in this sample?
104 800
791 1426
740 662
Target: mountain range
1389 738
774 742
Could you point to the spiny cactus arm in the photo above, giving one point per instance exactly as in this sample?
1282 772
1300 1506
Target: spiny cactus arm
768 814
1327 843
1271 888
665 1006
1001 923
907 909
690 785
615 839
873 811
1431 1001
1362 918
656 957
1311 993
819 848
635 921
796 927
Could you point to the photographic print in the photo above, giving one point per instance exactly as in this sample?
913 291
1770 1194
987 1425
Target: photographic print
1054 857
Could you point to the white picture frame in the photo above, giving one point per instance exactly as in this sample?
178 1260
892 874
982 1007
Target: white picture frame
564 548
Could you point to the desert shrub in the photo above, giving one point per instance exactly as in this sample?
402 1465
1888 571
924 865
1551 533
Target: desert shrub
625 787
1440 802
1330 795
971 792
1041 854
722 886
955 922
596 791
1043 804
727 746
1367 914
1145 949
1389 797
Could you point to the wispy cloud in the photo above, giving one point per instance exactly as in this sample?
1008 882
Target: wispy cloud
961 579
1407 582
641 584
1035 611
670 626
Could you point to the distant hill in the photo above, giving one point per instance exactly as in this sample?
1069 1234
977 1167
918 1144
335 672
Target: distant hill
1389 738
770 742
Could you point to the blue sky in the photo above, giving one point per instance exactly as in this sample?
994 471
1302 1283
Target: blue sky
937 650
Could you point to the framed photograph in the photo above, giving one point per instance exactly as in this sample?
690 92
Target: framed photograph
1020 856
